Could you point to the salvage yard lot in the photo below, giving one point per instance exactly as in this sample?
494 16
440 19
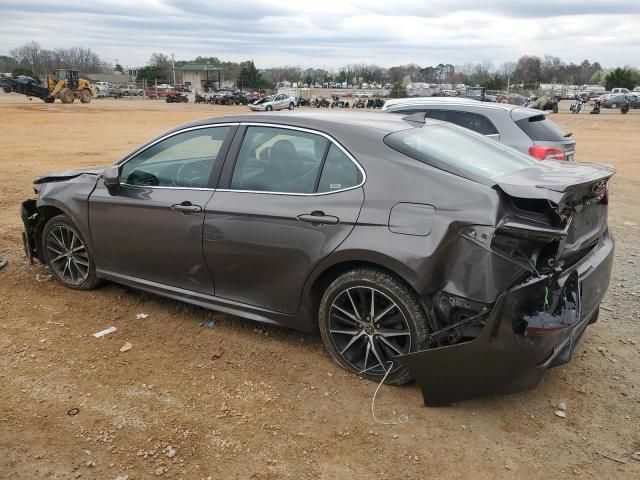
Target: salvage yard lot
274 405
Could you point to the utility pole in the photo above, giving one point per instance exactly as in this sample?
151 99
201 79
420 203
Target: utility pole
173 68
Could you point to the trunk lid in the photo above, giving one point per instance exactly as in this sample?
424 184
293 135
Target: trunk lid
564 184
565 203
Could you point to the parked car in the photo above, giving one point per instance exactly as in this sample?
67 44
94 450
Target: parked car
615 91
131 91
424 251
106 89
526 129
618 100
273 102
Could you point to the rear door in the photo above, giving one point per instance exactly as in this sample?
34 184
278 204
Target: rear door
291 197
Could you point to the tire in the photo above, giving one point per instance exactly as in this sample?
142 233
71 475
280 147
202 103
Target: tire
85 96
339 332
268 108
555 108
67 95
6 89
49 100
291 106
77 272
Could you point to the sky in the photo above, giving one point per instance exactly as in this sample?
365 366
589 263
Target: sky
331 33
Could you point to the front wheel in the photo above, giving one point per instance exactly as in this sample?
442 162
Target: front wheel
367 318
67 254
269 108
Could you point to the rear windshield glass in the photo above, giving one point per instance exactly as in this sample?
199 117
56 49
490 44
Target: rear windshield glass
459 151
541 129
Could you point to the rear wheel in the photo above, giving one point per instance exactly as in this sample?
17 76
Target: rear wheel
291 106
67 254
6 89
67 95
367 318
49 100
85 96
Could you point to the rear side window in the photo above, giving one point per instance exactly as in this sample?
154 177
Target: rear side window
540 129
472 121
338 172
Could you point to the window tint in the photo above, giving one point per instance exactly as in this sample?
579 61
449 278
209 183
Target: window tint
183 160
540 128
339 172
472 121
459 152
278 160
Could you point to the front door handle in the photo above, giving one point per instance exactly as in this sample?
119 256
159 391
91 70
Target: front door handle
318 218
186 208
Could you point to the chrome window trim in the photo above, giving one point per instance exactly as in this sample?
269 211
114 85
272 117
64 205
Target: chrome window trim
314 132
164 137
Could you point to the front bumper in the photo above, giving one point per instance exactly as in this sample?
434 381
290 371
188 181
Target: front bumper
505 359
258 108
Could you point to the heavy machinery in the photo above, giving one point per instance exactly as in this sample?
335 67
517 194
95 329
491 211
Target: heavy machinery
64 84
67 86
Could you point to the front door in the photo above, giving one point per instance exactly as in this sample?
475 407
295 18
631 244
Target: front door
287 202
151 227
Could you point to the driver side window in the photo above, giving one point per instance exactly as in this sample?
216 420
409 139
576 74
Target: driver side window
182 160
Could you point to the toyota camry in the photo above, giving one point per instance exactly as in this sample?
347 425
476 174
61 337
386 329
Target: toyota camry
418 249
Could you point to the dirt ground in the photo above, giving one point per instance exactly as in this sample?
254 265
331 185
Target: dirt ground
274 406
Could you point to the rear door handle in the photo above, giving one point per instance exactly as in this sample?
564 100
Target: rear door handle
318 218
186 208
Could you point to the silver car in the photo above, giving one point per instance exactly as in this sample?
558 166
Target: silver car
274 102
525 129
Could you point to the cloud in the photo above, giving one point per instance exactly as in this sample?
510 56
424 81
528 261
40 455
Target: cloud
331 33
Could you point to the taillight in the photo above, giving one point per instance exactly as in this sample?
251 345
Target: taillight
542 152
605 197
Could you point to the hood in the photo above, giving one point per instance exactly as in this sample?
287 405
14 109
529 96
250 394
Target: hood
562 183
68 174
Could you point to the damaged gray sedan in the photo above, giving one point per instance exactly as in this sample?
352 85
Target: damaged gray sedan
418 250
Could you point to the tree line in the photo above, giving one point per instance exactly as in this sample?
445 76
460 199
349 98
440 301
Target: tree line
529 70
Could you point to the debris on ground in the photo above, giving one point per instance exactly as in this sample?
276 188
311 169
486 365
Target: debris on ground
611 458
141 316
562 406
73 411
636 456
43 278
560 413
170 451
217 352
104 332
210 324
126 347
51 322
3 262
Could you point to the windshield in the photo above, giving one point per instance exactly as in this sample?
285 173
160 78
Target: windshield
459 151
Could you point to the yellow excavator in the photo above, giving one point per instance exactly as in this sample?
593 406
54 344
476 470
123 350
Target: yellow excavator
67 86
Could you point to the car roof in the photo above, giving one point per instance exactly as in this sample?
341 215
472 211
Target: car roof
439 101
321 121
516 112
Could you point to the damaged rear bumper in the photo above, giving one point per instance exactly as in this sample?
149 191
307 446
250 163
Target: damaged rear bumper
521 338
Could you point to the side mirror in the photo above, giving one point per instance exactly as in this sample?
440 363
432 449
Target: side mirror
111 178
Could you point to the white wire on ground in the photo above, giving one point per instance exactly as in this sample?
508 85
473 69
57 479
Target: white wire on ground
402 418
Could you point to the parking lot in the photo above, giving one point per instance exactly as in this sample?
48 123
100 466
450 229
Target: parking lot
272 404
